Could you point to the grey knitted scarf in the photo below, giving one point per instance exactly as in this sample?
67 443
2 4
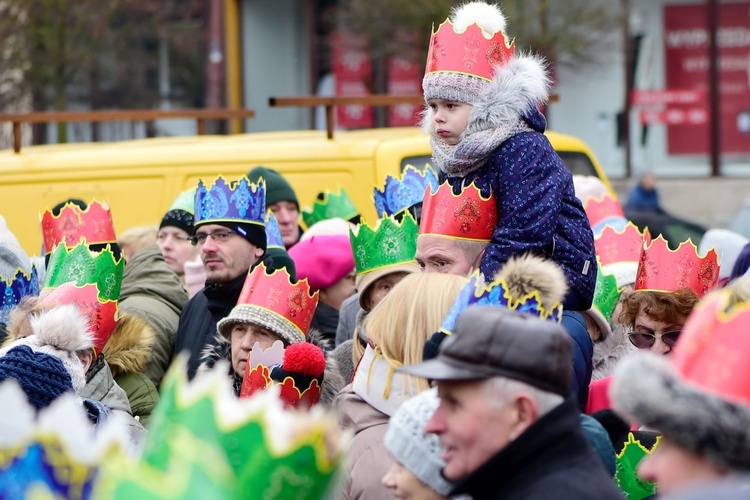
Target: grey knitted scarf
473 149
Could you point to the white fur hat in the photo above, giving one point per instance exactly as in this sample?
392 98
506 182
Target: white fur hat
60 332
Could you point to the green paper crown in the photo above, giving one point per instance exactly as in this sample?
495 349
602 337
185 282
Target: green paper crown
606 293
389 244
627 462
332 205
82 266
270 452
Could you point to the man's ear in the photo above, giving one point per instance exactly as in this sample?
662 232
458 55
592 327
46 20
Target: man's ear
259 252
526 413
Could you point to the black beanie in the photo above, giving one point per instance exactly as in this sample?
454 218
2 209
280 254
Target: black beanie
180 219
277 188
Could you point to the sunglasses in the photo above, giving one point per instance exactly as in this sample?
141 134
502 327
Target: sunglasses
647 340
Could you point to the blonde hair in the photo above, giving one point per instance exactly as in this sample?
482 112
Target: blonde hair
136 239
408 316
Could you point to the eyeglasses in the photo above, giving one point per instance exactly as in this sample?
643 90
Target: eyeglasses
217 236
646 340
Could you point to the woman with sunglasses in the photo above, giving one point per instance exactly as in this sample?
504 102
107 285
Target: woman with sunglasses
655 318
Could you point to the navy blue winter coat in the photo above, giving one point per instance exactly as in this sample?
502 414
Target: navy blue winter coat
538 211
583 352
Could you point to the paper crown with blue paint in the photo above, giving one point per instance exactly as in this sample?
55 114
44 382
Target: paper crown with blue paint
241 201
399 194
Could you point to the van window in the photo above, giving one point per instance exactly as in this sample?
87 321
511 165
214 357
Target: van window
578 163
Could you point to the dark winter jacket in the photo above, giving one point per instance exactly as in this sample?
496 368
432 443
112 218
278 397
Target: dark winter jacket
538 210
153 292
583 351
199 318
326 320
551 459
643 200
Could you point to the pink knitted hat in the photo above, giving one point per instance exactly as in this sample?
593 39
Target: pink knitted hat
323 260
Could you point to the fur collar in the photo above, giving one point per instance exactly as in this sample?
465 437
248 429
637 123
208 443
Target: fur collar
128 350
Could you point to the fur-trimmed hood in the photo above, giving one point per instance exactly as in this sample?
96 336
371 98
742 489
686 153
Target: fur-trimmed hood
333 380
647 390
517 91
129 348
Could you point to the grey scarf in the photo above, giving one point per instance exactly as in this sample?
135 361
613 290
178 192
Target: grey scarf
473 149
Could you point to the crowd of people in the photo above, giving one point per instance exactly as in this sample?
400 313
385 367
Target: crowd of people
501 331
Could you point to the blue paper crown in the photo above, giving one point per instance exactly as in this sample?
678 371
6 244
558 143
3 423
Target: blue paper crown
400 194
243 201
273 233
496 293
11 292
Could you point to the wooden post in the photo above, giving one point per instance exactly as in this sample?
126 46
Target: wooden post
16 137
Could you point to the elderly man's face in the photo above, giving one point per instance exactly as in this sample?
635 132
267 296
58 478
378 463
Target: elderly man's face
469 426
442 255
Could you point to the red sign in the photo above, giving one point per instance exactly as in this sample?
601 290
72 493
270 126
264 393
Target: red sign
674 116
686 40
404 78
352 70
670 96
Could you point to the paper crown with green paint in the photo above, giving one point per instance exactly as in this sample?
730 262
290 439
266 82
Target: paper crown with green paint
330 205
84 267
606 293
626 465
390 243
202 434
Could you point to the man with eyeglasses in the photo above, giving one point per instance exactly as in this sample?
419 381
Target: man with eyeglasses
231 239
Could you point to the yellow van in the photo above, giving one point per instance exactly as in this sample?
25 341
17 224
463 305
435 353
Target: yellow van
140 179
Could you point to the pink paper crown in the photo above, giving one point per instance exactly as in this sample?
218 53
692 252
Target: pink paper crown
469 52
713 347
601 208
665 270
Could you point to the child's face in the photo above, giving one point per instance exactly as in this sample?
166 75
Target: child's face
451 119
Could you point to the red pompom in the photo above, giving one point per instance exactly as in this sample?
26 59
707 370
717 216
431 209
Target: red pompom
305 358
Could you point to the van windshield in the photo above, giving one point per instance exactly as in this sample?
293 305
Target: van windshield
577 163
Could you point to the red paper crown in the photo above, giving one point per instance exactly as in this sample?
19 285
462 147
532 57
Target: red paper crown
298 370
467 216
665 270
101 314
276 293
713 348
73 224
614 246
468 52
604 207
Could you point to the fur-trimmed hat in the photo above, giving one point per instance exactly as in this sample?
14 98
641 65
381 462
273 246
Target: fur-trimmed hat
60 332
520 81
699 397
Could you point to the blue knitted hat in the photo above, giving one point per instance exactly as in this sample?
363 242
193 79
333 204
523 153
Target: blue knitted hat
42 377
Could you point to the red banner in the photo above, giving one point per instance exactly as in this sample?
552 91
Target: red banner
352 70
674 116
404 78
686 40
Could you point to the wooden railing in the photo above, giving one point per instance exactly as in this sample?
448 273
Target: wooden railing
330 102
144 115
